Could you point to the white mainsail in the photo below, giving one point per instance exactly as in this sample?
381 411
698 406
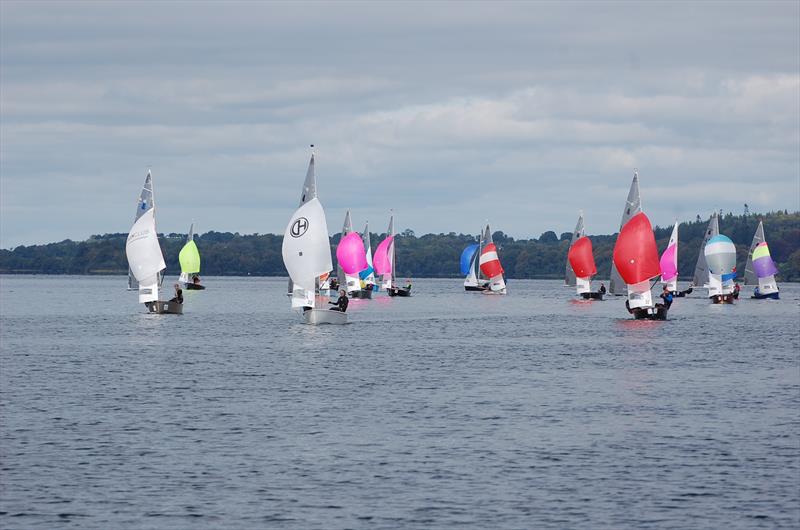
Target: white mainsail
146 201
306 251
309 192
633 206
700 278
144 255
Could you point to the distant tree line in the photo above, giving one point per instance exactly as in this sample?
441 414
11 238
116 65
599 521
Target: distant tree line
430 255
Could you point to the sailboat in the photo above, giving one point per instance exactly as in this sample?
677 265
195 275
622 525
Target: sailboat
351 258
700 278
633 206
470 267
490 265
146 200
307 253
636 259
189 258
720 254
385 265
760 269
669 265
145 260
367 276
580 264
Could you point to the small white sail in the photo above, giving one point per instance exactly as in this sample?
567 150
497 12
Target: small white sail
144 255
306 251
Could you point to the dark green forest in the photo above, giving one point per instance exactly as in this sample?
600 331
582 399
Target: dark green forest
430 255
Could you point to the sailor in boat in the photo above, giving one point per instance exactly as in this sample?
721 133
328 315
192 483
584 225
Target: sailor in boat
736 290
602 289
408 284
666 295
196 279
178 298
341 303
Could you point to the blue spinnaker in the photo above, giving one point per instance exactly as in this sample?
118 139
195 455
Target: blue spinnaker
466 257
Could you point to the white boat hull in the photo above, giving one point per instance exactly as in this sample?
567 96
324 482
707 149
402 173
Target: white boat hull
324 316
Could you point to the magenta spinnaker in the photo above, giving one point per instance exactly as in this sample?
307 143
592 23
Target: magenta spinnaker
351 254
380 261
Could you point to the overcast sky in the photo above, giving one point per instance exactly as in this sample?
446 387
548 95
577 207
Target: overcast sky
449 113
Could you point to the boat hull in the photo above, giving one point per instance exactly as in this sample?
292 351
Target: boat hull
194 287
592 296
659 312
317 317
722 299
364 294
770 296
398 291
682 294
161 307
475 288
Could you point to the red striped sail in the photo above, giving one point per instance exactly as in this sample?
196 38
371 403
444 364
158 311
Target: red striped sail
581 259
490 263
636 254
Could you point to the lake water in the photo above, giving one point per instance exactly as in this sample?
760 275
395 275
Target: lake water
441 410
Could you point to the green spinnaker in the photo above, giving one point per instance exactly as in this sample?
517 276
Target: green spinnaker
189 258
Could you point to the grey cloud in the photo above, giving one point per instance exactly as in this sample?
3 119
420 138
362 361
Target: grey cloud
522 113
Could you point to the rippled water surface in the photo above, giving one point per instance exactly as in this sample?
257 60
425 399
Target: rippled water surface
441 410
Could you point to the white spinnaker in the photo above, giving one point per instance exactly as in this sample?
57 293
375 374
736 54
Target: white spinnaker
306 251
144 255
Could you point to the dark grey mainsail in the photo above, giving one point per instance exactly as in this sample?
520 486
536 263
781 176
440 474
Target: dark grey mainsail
750 277
309 192
700 277
146 201
569 275
633 206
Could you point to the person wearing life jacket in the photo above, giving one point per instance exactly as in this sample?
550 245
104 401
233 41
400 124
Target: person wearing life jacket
666 295
178 298
341 303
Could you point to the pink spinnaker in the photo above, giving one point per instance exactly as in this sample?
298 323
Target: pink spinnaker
351 254
380 260
669 263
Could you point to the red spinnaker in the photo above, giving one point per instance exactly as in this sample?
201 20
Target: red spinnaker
490 263
581 259
636 254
